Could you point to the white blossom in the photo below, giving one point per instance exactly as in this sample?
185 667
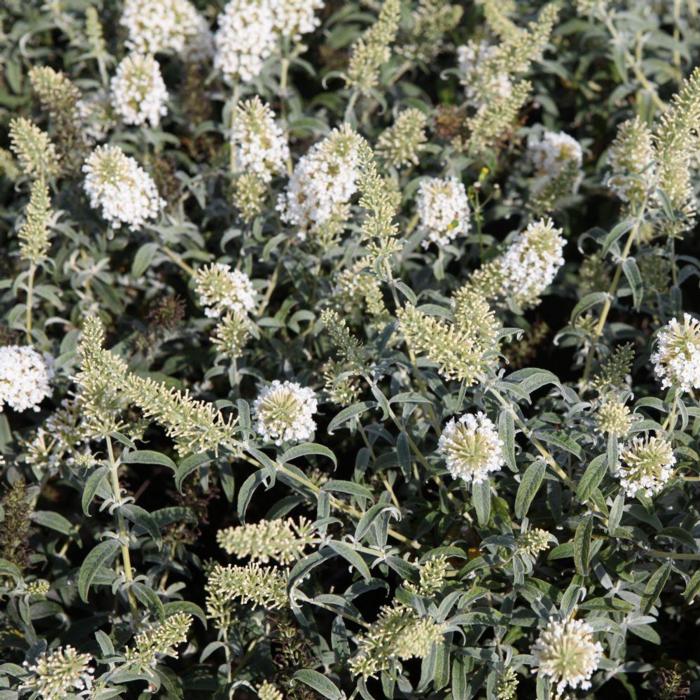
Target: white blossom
284 412
322 184
258 142
646 465
119 186
294 18
244 40
168 26
532 261
222 289
471 447
24 377
443 209
138 90
567 653
551 152
677 356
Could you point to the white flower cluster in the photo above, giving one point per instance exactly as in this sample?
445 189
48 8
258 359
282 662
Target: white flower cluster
567 653
249 30
24 377
244 40
119 186
138 90
168 26
646 465
471 447
284 412
60 674
323 182
257 140
532 261
294 18
222 289
677 356
443 209
480 84
551 152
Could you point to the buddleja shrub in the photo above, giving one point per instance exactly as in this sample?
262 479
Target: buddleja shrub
348 349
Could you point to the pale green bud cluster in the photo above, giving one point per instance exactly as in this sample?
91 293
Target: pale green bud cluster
633 162
430 22
267 691
281 540
398 634
432 576
491 74
400 145
613 373
262 586
459 354
675 140
158 640
507 685
372 50
359 288
107 387
232 333
613 417
533 542
34 233
56 92
55 675
249 193
37 156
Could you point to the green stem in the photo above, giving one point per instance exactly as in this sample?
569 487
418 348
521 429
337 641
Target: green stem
121 524
30 301
543 451
659 554
177 260
607 305
335 503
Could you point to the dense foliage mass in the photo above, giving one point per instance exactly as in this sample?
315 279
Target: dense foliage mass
348 349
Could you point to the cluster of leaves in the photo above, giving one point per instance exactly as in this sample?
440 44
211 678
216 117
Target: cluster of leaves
145 520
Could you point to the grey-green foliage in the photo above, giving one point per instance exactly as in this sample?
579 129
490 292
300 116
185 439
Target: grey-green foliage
300 429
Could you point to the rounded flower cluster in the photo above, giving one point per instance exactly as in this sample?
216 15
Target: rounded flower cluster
471 448
119 186
24 377
168 26
258 142
646 465
60 674
138 90
480 83
322 184
443 209
677 356
567 653
284 412
244 40
614 417
552 152
294 18
532 261
222 289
